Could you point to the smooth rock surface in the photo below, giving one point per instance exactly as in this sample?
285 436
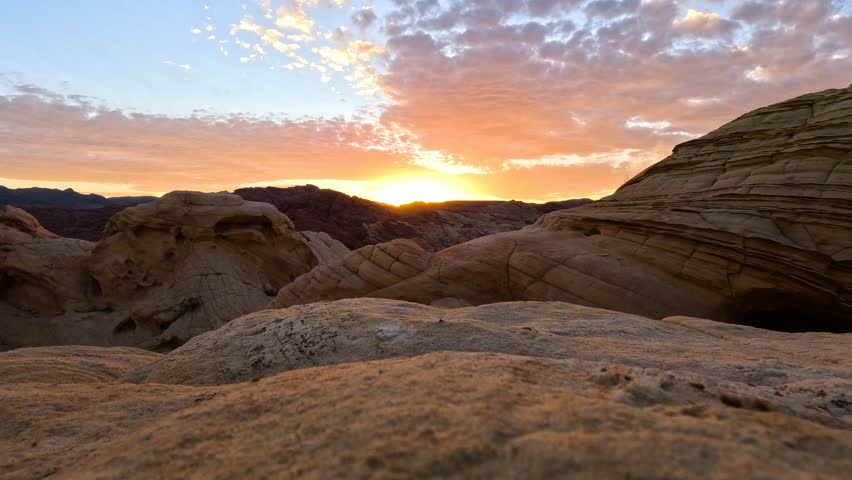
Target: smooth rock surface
809 374
596 394
750 224
166 271
71 364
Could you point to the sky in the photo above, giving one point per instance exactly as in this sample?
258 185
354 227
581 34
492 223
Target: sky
392 100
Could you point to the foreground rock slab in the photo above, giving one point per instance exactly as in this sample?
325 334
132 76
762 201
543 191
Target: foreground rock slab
448 415
375 388
809 375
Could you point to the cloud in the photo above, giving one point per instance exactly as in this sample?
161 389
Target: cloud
529 99
183 66
364 18
358 51
498 83
53 138
705 24
295 19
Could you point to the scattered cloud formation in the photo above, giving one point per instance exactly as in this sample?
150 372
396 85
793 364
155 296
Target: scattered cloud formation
496 81
525 99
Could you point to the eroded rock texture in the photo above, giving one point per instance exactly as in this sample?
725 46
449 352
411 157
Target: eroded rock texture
751 224
165 272
514 390
71 364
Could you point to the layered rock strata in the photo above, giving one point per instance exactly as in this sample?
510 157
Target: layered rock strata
165 272
751 224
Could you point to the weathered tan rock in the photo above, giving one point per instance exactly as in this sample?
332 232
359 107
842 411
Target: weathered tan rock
360 273
325 248
18 224
165 272
40 273
738 360
751 223
598 394
71 364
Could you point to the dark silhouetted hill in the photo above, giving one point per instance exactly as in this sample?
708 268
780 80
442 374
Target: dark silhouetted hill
68 213
358 222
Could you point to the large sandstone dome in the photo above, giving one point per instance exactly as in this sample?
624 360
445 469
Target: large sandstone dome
165 272
751 224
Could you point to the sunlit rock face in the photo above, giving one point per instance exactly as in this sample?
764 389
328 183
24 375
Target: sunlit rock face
165 272
751 223
378 388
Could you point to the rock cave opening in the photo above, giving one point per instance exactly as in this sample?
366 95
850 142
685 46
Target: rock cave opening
791 312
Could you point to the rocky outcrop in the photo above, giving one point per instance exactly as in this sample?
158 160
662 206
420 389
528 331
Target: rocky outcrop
40 274
324 248
165 272
358 274
358 222
538 390
733 360
750 224
61 365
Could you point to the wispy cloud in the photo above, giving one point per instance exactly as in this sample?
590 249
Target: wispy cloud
183 66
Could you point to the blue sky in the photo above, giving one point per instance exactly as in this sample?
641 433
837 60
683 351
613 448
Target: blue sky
115 50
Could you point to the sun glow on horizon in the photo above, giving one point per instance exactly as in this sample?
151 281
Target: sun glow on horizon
419 190
398 190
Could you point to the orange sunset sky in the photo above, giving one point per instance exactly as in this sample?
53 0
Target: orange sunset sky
395 101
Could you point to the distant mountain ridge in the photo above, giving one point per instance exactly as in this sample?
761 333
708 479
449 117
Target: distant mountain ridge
354 221
358 222
68 198
68 213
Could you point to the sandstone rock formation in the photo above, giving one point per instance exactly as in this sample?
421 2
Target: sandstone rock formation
358 222
360 273
742 361
166 271
550 390
40 274
751 224
71 364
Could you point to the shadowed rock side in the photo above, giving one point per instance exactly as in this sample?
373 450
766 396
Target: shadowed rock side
552 390
750 224
82 223
358 222
166 271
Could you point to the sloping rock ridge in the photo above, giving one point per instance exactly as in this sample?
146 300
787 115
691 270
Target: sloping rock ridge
750 224
376 388
165 272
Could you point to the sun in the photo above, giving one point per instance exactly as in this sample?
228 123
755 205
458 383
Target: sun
403 191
